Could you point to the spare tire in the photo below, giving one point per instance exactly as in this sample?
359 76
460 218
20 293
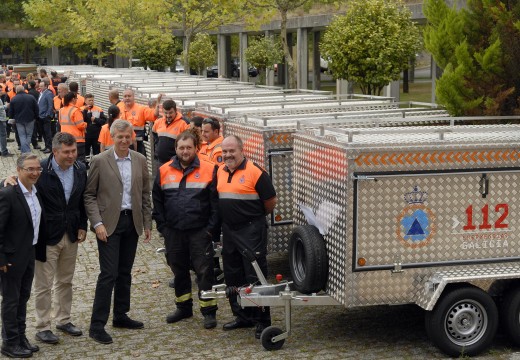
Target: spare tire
308 259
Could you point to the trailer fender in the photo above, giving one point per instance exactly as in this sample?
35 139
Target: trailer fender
308 259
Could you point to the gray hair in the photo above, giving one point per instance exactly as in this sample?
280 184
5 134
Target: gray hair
63 86
119 125
20 89
113 94
46 81
62 138
25 156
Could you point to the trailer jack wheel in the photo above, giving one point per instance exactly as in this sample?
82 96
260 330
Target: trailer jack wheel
267 338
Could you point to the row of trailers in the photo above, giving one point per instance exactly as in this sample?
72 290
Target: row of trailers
378 202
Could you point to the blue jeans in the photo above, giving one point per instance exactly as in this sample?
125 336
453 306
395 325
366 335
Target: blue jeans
25 133
3 137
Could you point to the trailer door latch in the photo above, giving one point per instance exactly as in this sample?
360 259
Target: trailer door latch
397 266
484 185
363 177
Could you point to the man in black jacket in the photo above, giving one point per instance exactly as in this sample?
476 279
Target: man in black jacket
62 183
61 186
22 237
24 110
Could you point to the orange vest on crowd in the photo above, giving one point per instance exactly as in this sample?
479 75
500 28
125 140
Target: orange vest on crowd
71 121
12 94
138 115
80 101
213 151
58 103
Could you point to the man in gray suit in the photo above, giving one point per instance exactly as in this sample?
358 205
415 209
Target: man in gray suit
117 200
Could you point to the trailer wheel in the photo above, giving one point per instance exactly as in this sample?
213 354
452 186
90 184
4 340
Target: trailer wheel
510 315
267 338
464 321
308 259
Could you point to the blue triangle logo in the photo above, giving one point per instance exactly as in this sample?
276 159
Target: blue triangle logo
415 229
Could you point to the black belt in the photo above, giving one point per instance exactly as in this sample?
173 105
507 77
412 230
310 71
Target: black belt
126 212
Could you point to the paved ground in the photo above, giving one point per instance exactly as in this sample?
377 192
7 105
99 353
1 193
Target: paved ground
318 332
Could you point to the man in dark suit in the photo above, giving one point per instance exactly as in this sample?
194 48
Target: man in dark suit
22 238
117 200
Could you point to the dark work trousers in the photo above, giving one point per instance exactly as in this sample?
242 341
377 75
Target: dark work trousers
81 152
16 290
36 132
196 248
47 133
139 135
238 270
91 143
116 258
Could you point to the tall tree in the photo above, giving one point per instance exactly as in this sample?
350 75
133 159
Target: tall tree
258 11
371 44
263 53
202 53
478 49
200 16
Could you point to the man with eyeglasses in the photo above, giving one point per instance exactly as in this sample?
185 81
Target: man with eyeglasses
22 238
61 185
211 134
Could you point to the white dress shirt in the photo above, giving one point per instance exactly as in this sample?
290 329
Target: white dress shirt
125 169
35 207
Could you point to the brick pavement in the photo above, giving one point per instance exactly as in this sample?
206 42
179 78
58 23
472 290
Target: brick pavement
318 332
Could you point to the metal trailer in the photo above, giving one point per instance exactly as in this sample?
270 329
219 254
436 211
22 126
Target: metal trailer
269 143
416 215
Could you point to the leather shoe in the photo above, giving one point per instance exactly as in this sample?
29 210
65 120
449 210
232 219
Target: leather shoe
46 151
70 329
258 330
237 324
210 321
178 315
16 351
47 336
127 323
101 336
37 147
24 342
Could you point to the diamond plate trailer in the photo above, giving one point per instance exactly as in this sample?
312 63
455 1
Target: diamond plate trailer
269 143
416 215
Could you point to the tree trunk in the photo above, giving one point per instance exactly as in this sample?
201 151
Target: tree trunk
291 71
99 51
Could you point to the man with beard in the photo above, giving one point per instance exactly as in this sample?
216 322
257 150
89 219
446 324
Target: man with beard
166 130
185 210
246 195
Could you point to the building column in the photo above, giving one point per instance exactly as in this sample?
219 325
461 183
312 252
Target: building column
269 73
392 90
53 56
224 55
342 88
316 61
302 58
242 40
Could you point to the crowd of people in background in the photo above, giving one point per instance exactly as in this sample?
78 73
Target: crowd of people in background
96 172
